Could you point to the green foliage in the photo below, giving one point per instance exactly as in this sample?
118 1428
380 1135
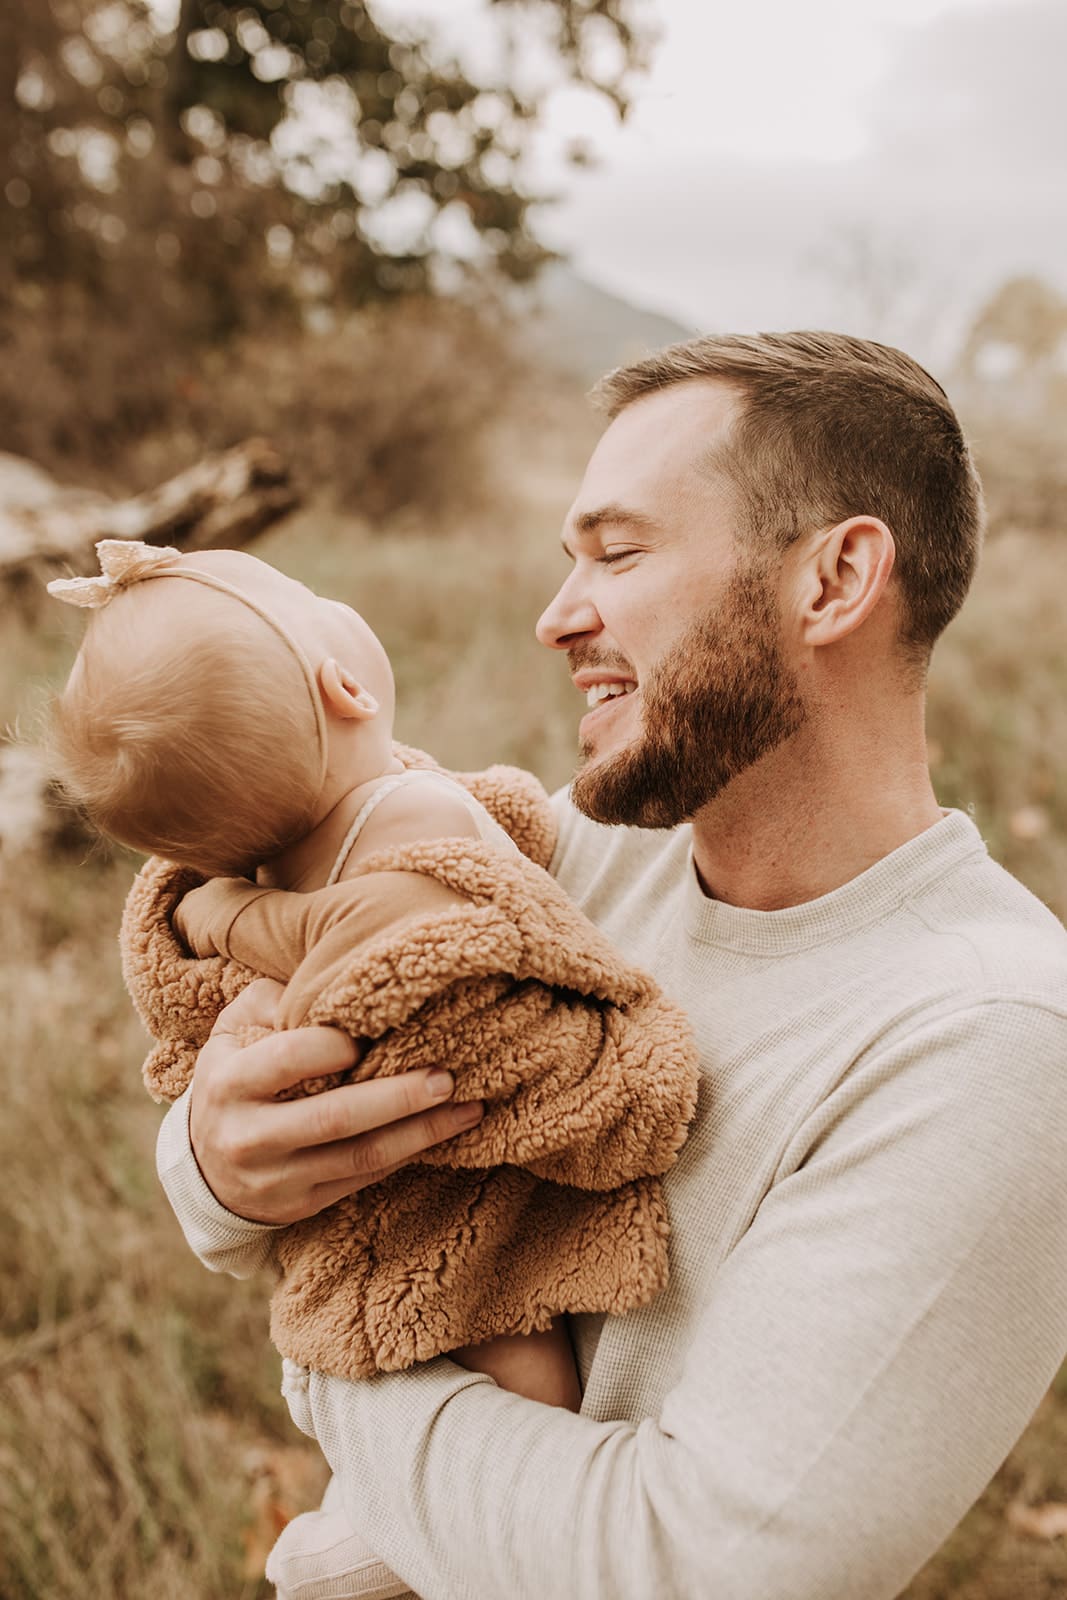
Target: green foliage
177 183
193 159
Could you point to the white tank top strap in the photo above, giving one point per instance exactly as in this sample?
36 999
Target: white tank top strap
374 799
489 831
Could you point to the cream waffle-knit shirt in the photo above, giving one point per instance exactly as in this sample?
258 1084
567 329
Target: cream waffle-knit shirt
869 1260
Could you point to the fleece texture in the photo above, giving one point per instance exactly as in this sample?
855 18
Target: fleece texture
553 1202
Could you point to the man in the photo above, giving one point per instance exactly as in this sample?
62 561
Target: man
869 1284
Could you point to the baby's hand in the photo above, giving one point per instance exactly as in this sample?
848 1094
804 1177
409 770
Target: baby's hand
203 918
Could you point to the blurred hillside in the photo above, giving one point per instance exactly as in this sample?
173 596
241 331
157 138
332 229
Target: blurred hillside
572 326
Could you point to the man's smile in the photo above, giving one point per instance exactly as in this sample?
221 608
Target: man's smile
605 690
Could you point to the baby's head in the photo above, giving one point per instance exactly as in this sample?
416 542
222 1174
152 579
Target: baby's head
216 706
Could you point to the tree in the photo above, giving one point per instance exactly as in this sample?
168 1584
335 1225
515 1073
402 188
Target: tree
228 157
1022 327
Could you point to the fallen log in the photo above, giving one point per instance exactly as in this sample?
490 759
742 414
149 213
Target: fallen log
223 501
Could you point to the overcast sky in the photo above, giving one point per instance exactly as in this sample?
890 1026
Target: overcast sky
871 164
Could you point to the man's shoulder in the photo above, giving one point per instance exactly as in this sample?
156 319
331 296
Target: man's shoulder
1011 944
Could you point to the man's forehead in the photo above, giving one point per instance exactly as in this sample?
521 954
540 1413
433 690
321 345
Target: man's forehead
655 449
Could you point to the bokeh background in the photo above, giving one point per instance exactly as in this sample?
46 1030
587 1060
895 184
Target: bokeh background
399 239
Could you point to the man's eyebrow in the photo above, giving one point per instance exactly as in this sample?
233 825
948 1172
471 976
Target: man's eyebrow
611 516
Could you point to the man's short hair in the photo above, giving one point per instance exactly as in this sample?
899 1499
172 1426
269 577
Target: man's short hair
835 427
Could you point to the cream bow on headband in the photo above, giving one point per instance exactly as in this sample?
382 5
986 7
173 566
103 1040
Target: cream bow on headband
122 562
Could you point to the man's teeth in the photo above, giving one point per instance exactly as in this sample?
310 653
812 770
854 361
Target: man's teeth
607 691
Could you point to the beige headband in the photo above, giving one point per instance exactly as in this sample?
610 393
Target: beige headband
124 562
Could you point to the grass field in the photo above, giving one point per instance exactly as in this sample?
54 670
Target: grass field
143 1449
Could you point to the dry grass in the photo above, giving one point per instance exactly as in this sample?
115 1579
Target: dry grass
143 1448
134 1386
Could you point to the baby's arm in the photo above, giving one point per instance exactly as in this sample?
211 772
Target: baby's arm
539 1366
311 937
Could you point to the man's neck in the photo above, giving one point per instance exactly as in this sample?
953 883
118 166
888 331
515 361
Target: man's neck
811 817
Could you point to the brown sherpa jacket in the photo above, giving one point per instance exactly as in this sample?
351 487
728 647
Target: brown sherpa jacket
447 952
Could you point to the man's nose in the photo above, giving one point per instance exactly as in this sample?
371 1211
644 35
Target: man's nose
570 616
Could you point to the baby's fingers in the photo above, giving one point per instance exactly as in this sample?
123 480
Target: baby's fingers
255 1007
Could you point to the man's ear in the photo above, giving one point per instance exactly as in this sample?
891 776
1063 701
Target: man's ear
342 695
842 577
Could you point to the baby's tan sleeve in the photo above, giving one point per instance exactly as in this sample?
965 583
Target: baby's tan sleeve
205 920
341 922
310 937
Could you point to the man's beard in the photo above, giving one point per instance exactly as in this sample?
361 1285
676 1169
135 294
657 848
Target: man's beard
723 699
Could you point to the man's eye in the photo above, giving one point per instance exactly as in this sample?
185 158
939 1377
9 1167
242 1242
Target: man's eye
609 558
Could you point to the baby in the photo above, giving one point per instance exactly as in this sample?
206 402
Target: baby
223 717
247 729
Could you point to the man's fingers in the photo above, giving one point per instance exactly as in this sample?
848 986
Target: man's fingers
325 1194
283 1059
279 1160
353 1163
358 1108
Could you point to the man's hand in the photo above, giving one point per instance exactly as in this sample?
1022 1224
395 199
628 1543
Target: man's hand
276 1161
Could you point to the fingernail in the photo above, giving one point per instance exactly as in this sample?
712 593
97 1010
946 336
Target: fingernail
470 1112
440 1083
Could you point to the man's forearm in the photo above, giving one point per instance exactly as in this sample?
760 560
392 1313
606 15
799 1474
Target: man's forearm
470 1493
461 1531
834 1416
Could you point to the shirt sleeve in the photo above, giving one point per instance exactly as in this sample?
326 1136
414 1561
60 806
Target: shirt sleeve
223 1241
868 1353
306 941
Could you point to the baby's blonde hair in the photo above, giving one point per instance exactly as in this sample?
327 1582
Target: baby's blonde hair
187 728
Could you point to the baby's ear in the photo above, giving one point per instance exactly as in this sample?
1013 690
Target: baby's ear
342 695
